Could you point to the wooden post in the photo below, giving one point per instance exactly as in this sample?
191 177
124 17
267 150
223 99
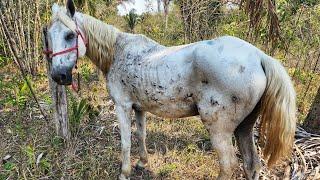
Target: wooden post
59 98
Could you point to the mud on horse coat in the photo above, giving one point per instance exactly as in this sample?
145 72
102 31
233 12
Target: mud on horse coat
227 81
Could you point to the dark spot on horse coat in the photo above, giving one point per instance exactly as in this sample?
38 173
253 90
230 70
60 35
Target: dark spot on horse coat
205 81
136 107
213 102
153 98
123 82
242 68
188 96
129 56
137 58
235 99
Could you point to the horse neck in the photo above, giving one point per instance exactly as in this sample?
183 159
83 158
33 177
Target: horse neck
101 39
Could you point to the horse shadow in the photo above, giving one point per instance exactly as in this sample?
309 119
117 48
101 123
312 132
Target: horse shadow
160 142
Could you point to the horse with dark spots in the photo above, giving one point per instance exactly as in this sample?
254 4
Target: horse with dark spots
227 81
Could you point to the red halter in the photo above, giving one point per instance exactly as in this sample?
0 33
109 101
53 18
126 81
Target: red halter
50 53
76 47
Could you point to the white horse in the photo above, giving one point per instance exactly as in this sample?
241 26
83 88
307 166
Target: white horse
227 81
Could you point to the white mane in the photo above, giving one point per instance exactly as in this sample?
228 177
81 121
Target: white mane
102 38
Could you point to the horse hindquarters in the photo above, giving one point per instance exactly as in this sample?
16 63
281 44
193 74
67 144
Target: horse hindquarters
277 108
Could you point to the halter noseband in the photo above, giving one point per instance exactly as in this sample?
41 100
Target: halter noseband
76 47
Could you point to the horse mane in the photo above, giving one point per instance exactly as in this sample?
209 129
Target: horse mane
101 38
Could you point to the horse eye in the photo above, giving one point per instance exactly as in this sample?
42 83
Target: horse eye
69 36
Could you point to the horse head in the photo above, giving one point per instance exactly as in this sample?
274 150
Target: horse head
66 42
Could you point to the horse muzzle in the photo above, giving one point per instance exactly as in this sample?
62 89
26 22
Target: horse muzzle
62 76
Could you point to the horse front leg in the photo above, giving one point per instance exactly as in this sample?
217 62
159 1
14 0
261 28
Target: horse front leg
123 114
141 136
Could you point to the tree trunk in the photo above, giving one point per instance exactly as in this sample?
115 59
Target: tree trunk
59 99
159 5
166 4
312 122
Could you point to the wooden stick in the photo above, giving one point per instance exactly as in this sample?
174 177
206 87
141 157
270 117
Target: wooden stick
59 98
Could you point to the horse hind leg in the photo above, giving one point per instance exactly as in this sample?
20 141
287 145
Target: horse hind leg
222 143
244 136
221 131
141 136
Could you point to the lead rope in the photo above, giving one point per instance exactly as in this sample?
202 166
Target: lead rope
76 85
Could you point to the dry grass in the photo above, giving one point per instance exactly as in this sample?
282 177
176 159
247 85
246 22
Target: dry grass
178 148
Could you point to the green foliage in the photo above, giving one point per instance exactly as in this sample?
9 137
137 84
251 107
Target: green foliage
132 20
3 61
78 111
17 92
85 72
45 165
9 166
22 94
167 169
30 153
3 176
57 142
153 27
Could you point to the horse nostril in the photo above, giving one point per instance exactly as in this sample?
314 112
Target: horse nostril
63 77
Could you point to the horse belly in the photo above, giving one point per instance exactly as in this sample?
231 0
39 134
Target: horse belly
174 109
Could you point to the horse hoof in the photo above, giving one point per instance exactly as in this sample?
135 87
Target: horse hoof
123 177
140 165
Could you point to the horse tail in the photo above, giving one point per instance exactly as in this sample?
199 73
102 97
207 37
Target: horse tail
278 118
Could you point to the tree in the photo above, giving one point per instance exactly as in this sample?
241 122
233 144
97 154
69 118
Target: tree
199 18
159 5
20 29
166 4
20 34
312 122
132 20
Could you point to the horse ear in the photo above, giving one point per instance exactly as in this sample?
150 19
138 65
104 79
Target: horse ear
71 8
55 9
